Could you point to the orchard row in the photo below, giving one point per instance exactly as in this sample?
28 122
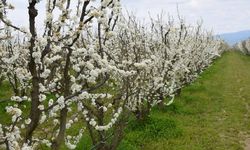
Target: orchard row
89 68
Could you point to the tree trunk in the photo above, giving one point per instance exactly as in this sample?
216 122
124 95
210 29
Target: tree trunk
161 103
178 92
118 135
60 138
63 113
34 111
1 80
142 114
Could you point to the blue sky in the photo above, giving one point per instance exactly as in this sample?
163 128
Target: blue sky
220 15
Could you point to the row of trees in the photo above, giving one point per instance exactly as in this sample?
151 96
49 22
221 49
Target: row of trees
243 46
89 69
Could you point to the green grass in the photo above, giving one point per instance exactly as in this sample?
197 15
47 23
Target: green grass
210 114
5 94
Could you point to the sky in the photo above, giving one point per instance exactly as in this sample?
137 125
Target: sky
221 16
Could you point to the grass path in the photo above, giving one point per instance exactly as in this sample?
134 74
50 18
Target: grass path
211 114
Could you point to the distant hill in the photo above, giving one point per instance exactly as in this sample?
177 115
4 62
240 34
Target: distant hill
235 37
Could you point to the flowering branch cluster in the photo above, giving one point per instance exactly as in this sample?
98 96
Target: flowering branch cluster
243 46
162 58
